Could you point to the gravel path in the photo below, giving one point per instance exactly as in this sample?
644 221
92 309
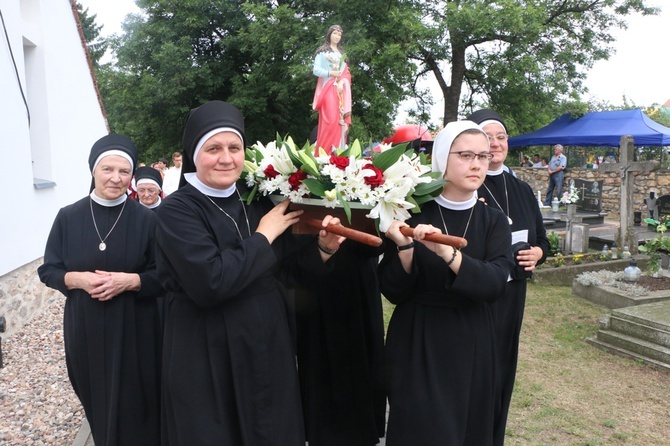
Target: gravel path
37 403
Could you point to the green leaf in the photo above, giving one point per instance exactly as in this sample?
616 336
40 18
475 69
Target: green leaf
386 159
433 188
416 209
309 164
249 196
345 206
355 149
315 186
292 155
421 199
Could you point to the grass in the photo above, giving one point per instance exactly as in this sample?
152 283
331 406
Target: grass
570 393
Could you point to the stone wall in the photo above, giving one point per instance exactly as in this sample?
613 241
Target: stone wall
23 296
645 182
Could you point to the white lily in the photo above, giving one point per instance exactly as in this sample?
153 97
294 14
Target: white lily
392 205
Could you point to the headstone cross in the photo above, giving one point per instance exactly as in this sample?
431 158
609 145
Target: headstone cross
627 167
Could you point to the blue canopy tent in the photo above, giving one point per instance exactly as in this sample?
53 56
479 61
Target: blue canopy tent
597 129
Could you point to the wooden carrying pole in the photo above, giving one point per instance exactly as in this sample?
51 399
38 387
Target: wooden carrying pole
372 240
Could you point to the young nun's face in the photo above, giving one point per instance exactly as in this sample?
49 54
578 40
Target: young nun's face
466 176
220 161
112 176
499 147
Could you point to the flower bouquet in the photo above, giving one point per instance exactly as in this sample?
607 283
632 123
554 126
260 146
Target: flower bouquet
388 184
570 196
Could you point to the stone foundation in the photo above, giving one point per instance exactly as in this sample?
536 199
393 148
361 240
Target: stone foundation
23 296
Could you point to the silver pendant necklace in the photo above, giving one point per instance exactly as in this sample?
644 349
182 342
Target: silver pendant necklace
246 218
509 219
102 246
467 225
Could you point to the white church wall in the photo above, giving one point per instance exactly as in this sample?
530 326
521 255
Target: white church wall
65 120
45 162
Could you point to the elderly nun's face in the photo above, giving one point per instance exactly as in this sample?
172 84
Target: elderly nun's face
112 177
148 193
220 161
498 142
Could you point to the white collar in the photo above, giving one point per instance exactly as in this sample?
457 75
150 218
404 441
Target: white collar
456 205
108 203
495 172
193 180
152 206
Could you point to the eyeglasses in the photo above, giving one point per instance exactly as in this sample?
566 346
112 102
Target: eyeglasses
469 156
147 191
500 137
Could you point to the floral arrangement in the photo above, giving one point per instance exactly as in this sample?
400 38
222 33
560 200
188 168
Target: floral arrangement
559 260
653 247
390 182
570 196
661 224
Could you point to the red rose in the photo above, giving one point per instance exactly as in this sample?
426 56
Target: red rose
296 178
375 180
270 171
341 162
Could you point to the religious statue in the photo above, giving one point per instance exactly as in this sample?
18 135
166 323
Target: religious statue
332 97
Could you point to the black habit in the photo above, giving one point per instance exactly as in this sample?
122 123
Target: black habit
501 191
229 366
112 348
440 341
340 332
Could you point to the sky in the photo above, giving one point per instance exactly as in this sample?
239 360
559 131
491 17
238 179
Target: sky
637 70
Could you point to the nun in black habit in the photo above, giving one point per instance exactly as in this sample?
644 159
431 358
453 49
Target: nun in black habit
440 341
100 255
340 338
229 368
516 199
149 184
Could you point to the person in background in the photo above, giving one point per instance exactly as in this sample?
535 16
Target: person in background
544 162
149 183
340 347
537 163
556 167
100 255
526 162
162 164
171 177
440 341
229 369
516 200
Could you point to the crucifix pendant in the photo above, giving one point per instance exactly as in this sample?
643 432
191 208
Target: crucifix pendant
102 246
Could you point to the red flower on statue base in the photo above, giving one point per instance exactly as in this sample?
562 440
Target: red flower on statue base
341 162
375 180
270 171
296 179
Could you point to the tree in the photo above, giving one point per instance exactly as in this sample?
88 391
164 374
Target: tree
527 59
96 45
255 54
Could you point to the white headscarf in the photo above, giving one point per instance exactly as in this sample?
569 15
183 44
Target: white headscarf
444 140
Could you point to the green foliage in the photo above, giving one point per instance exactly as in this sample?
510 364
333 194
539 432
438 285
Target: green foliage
528 60
554 243
256 55
96 45
525 59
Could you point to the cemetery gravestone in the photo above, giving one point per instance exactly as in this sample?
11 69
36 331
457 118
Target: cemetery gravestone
663 206
590 195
